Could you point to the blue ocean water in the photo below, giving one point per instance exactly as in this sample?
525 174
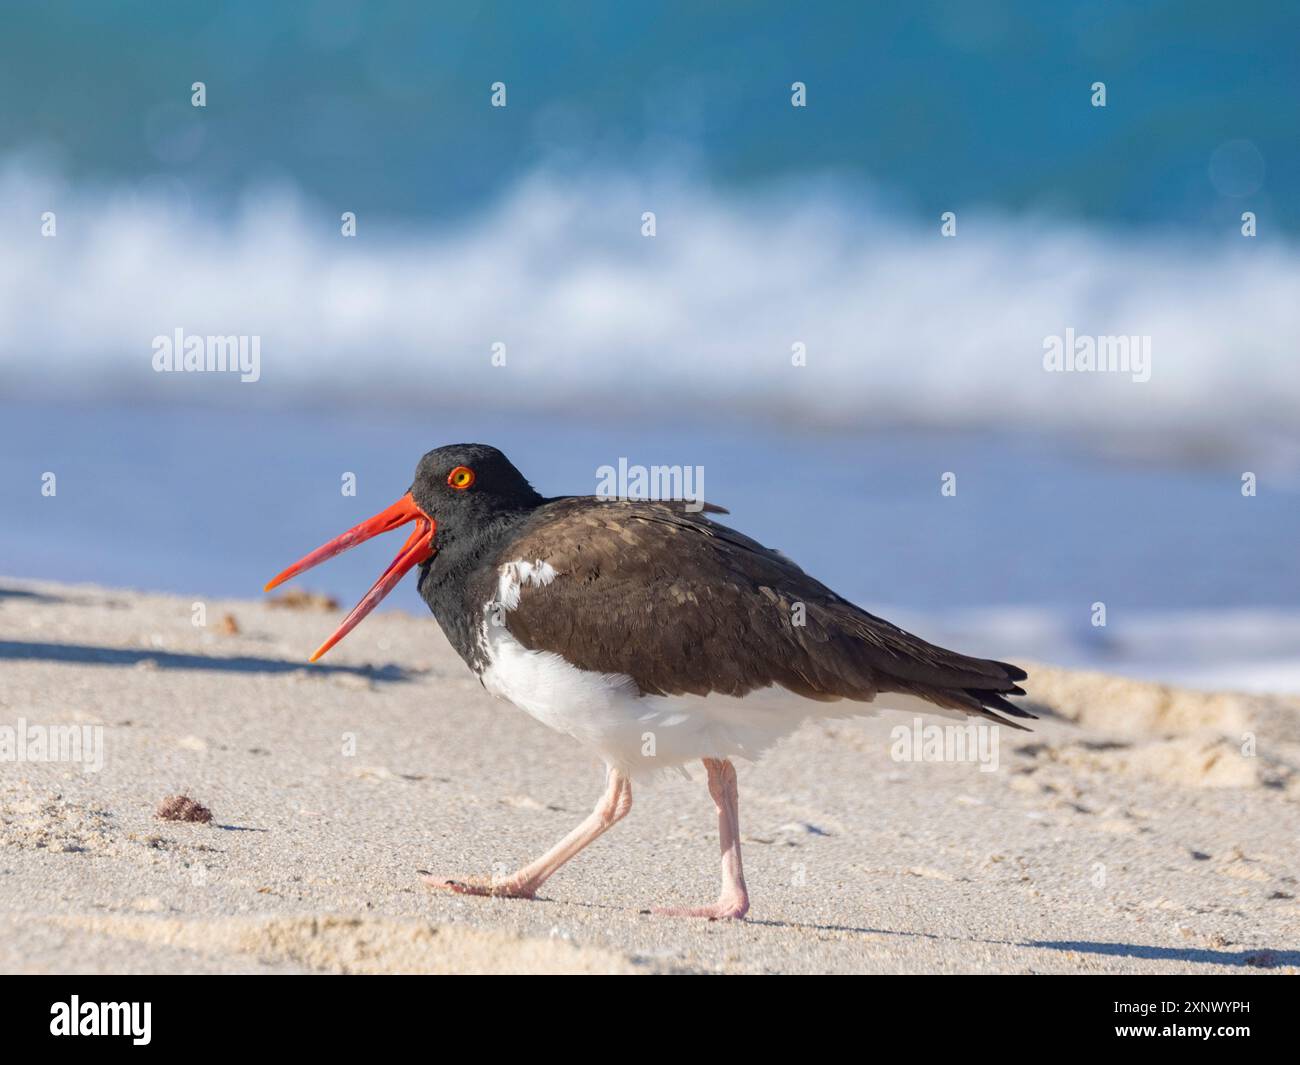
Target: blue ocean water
382 105
212 501
1199 582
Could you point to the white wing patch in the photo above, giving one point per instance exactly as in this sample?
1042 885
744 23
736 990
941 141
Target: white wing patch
511 580
515 575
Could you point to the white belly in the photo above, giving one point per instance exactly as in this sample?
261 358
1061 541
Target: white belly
644 735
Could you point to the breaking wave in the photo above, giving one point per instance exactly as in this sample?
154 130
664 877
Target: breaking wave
899 324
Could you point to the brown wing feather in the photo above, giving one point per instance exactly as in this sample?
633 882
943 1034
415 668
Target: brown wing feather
683 605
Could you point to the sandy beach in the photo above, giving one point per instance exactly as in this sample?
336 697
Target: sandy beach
1138 828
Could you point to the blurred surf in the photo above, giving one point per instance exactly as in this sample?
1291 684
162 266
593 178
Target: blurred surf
898 325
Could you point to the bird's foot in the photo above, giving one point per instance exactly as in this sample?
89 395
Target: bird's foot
725 909
481 885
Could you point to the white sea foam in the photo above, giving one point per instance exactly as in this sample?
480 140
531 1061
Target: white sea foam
900 324
1235 649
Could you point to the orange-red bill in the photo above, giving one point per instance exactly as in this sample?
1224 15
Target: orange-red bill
418 548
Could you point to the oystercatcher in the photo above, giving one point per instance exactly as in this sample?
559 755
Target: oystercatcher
637 628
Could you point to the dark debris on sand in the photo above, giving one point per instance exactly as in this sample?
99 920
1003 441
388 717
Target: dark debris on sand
183 808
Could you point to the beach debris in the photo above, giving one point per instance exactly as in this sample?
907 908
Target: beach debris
1261 959
372 772
297 599
803 828
929 873
522 802
183 808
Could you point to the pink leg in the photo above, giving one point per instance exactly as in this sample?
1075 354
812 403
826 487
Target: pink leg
612 808
734 901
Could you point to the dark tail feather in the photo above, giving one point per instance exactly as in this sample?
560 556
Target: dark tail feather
981 702
1013 672
991 701
994 701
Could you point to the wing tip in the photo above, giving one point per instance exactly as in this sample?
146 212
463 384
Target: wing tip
1012 672
995 701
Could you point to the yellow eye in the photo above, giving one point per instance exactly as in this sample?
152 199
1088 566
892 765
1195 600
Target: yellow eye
461 477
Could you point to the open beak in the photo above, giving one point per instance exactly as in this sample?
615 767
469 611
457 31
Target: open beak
418 548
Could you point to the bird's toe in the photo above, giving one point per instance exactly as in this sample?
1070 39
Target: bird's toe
723 910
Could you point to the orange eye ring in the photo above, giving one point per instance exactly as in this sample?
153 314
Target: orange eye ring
460 478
